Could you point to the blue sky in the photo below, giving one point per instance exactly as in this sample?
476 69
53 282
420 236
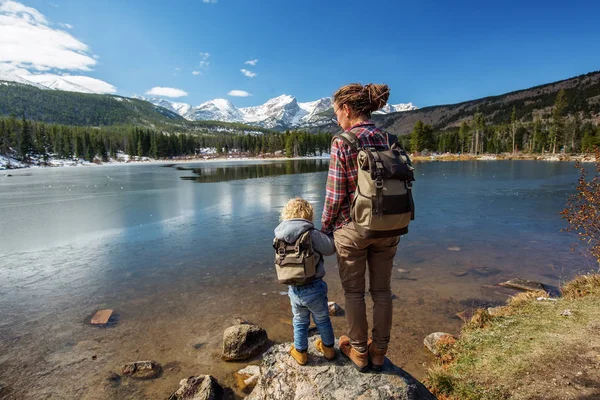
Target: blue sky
428 52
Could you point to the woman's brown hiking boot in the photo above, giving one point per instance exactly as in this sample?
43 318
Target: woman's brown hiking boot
328 352
301 357
359 360
377 356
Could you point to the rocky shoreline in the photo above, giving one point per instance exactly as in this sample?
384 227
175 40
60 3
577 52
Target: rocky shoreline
506 156
10 163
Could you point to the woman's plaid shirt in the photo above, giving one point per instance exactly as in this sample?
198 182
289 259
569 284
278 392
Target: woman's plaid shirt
343 173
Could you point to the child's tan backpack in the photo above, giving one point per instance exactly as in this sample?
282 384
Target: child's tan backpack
296 263
383 204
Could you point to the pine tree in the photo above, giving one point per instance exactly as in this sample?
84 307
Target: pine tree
463 135
479 125
538 139
4 137
427 141
558 118
26 145
513 126
416 137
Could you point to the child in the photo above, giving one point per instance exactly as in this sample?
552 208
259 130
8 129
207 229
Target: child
297 217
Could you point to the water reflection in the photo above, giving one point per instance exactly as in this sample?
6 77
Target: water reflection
226 173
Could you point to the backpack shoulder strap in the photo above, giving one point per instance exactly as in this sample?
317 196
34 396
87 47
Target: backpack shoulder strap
350 139
392 140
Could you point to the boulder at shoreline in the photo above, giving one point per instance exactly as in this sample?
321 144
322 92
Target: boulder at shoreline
201 387
282 378
241 342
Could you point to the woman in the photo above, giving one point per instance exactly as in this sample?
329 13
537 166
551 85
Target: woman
353 105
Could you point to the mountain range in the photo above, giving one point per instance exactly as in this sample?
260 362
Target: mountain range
281 112
56 101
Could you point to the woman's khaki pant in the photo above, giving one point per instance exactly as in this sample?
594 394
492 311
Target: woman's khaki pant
354 254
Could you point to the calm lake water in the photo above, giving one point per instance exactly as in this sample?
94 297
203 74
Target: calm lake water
179 250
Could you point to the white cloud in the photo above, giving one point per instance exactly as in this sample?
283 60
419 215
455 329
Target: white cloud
209 1
27 41
251 62
12 7
166 92
203 64
239 93
247 73
68 26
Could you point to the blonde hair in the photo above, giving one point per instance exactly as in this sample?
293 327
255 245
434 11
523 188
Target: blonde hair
297 208
362 99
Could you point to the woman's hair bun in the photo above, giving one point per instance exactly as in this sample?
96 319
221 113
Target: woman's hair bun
378 95
363 99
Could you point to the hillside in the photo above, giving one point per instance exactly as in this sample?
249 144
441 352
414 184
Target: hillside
78 109
583 93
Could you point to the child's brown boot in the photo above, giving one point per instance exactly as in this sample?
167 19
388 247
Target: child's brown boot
329 352
359 360
376 355
301 357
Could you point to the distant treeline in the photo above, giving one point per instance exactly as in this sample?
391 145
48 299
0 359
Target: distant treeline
24 139
564 130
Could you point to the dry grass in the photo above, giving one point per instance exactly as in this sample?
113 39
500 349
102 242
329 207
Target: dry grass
522 299
530 344
583 285
479 320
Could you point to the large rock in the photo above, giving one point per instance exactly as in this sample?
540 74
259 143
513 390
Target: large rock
201 387
241 342
142 369
282 378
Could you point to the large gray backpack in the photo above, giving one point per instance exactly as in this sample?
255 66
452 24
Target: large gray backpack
383 205
296 263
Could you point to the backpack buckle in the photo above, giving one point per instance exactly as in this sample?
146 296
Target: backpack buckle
281 252
379 183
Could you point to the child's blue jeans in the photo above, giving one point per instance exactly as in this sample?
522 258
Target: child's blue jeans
307 299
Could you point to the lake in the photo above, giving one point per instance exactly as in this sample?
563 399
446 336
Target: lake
179 250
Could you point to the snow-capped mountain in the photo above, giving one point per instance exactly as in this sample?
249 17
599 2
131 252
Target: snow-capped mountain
215 110
280 112
44 82
178 108
391 108
58 83
11 77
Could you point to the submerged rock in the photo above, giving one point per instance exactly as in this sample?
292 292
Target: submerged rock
241 342
201 387
283 378
142 369
431 341
523 284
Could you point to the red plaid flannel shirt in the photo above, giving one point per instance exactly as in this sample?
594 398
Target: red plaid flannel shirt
343 173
